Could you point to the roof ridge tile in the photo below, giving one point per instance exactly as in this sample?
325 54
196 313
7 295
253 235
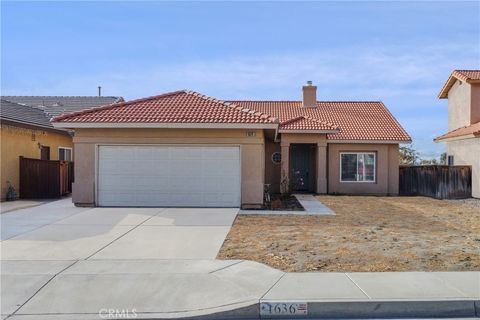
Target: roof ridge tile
235 106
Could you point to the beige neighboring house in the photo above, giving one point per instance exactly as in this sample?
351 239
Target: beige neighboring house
462 90
190 150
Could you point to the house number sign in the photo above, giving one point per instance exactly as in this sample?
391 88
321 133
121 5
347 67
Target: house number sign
283 309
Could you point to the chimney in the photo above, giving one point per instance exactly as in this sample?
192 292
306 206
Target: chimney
309 95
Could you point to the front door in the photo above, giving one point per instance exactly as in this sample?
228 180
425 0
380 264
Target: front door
302 167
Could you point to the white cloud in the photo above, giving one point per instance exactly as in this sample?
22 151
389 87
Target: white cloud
352 73
406 77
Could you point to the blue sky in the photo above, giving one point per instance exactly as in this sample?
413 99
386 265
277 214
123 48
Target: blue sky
398 52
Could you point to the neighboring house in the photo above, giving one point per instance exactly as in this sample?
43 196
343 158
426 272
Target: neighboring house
26 130
186 149
462 90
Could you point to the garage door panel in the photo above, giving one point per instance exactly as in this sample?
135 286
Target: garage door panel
223 167
224 153
169 176
184 152
186 184
220 199
118 198
185 167
115 183
151 198
152 184
183 199
111 166
110 152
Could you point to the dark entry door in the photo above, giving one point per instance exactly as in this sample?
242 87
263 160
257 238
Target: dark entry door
45 153
302 172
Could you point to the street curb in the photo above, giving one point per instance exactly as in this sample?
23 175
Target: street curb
361 310
388 309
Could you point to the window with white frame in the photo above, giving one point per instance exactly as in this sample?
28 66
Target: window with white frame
357 167
65 154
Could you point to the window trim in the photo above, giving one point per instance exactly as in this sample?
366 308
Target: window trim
66 148
357 153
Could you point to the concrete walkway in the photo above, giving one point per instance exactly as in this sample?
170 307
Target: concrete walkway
312 205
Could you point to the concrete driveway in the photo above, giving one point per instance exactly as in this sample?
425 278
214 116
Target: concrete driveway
60 231
41 242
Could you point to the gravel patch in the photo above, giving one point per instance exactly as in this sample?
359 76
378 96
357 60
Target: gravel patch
472 202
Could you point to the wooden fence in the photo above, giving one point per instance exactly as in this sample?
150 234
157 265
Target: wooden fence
440 182
41 179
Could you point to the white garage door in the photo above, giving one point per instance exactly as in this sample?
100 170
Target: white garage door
169 176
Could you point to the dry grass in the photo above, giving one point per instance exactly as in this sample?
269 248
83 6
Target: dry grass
367 234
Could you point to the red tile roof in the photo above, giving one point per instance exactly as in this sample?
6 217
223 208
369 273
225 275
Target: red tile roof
307 123
471 130
467 74
464 75
355 120
342 120
175 107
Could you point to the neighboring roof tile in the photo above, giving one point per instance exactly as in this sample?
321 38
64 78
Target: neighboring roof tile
467 74
182 106
57 105
24 114
464 75
473 129
355 120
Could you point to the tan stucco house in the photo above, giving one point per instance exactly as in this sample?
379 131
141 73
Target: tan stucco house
26 130
462 90
186 149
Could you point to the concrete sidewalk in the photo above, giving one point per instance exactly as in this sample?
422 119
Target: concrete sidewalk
157 289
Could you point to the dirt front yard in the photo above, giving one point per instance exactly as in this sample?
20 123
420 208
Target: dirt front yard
366 234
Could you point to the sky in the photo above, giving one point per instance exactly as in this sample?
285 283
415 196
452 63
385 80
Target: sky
398 52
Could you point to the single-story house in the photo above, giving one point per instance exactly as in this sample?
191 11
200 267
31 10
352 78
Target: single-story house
186 149
462 89
26 130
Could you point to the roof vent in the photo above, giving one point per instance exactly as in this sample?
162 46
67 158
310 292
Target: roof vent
309 95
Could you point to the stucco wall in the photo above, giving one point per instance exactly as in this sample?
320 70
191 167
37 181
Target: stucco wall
467 152
272 170
252 153
17 141
387 167
459 99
